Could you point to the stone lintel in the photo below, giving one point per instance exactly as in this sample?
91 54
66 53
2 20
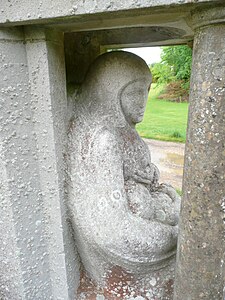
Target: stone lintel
34 12
206 17
11 34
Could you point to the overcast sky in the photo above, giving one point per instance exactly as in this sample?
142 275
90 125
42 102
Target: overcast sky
149 54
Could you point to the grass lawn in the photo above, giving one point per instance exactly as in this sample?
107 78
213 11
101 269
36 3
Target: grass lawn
163 120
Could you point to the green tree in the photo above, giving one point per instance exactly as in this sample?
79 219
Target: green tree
180 59
175 65
162 73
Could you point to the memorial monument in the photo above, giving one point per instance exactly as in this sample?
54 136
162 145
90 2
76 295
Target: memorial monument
44 48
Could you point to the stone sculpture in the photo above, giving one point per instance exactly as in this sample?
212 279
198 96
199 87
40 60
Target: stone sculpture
124 221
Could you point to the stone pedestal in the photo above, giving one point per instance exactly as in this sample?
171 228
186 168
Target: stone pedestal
201 237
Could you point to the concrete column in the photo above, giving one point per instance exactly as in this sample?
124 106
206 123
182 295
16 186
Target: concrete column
201 237
13 85
46 64
37 258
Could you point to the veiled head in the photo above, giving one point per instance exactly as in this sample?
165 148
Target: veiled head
117 85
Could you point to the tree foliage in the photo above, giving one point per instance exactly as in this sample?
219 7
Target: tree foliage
175 65
162 73
180 59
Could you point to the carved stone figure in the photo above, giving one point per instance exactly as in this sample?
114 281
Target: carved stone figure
124 221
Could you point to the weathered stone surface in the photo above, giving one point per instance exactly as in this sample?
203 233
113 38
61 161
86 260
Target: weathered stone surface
45 56
11 47
97 15
25 10
200 263
37 255
32 115
80 51
125 223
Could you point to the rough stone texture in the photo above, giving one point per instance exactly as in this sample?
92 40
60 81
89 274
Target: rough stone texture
33 230
205 17
200 264
125 223
45 54
20 203
13 86
37 254
80 51
75 16
26 10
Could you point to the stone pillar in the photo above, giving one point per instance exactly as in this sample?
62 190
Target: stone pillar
46 64
201 237
12 77
33 227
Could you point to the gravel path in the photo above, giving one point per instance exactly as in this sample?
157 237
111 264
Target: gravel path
169 158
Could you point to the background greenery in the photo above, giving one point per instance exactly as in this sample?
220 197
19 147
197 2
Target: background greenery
167 108
174 70
163 120
175 65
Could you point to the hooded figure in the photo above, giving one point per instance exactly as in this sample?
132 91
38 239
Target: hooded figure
113 191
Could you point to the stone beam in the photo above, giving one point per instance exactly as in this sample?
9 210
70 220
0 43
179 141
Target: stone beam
29 12
200 261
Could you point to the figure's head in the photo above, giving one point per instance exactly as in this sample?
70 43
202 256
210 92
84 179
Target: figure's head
117 84
133 100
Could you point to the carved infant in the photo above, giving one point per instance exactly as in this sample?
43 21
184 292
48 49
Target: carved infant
146 197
